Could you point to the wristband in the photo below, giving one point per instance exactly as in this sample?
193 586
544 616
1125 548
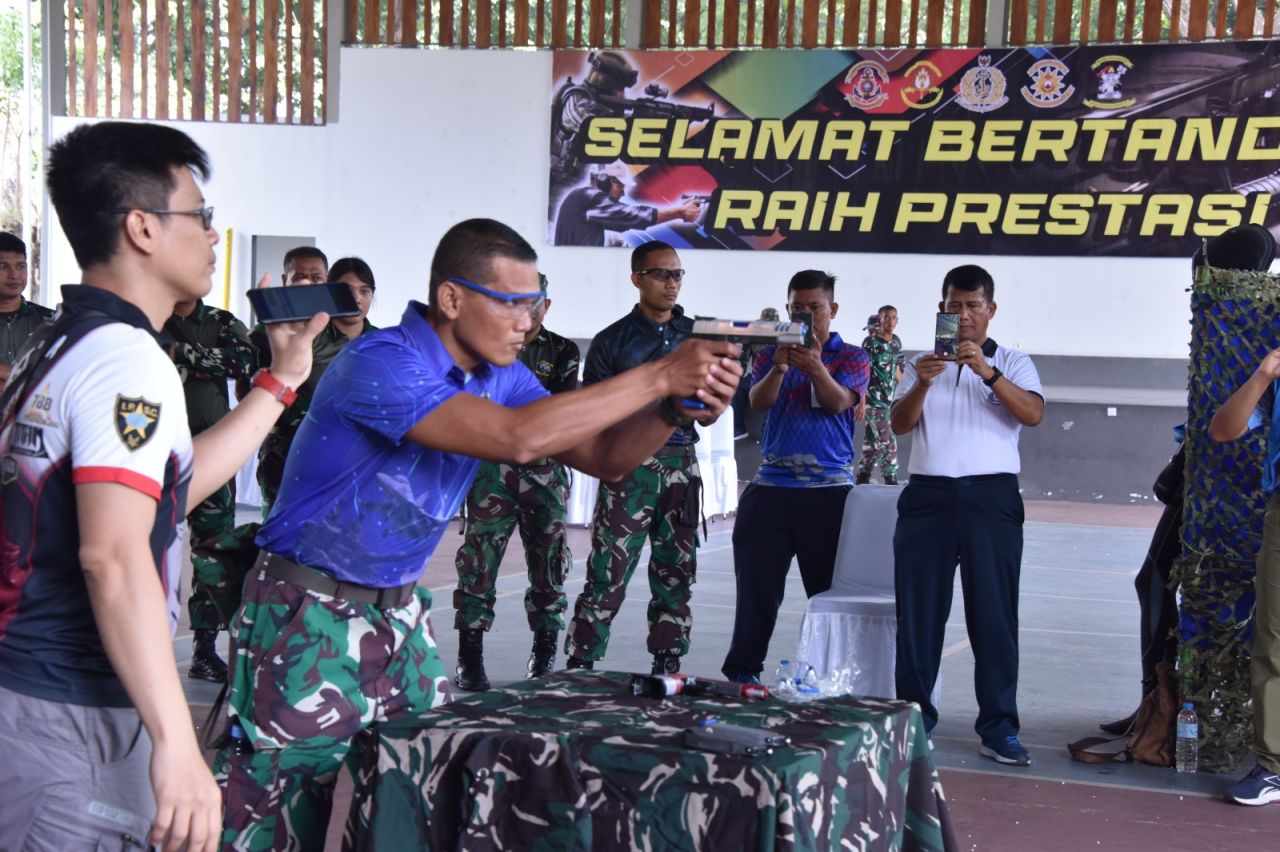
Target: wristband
995 377
671 416
269 383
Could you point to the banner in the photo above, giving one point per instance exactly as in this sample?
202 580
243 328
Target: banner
1140 150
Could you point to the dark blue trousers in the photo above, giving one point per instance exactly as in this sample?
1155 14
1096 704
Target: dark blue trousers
773 525
975 521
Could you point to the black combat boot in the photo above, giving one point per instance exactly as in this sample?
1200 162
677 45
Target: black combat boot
891 480
542 659
470 675
578 663
665 664
862 479
205 662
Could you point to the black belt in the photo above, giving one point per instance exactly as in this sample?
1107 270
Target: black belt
318 581
673 451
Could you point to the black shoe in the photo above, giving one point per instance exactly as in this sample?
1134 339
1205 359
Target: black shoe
862 479
578 663
891 480
470 676
205 662
1120 726
542 658
665 664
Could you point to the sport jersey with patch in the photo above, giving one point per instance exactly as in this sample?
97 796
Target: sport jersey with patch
110 410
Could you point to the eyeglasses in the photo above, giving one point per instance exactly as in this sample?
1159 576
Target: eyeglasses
812 307
663 274
205 214
510 305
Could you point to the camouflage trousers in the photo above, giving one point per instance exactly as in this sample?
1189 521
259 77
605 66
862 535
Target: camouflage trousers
216 516
534 497
271 459
658 501
879 445
219 565
309 675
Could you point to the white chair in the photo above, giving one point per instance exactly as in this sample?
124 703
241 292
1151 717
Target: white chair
855 622
718 466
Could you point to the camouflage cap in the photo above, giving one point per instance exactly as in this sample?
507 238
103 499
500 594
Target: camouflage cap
873 321
770 314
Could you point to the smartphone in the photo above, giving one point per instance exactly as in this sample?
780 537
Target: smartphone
945 335
806 318
302 302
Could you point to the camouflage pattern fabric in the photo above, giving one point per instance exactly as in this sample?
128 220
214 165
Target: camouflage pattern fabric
886 360
212 603
879 445
533 496
659 500
309 674
574 762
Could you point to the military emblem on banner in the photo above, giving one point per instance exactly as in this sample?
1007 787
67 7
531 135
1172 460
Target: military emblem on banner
136 420
1110 71
1048 86
922 90
865 84
982 89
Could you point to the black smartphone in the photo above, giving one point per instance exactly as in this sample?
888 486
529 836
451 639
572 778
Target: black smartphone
945 335
806 318
302 302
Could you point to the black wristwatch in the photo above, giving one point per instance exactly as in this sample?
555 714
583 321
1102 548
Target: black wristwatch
995 377
668 411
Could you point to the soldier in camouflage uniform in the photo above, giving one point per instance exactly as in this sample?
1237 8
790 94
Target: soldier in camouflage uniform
534 496
18 317
659 500
210 347
302 266
880 445
333 634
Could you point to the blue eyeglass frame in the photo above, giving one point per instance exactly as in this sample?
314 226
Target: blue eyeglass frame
508 298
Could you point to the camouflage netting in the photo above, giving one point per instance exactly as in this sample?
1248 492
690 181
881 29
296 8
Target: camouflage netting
1235 321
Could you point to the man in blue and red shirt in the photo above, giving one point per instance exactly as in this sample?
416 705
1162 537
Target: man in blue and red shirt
794 506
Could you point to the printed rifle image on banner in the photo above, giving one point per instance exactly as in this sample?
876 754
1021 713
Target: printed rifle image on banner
1131 150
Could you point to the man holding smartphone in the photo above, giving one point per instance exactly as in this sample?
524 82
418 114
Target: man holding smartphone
962 505
795 505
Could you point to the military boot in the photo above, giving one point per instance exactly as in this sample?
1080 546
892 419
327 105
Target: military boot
578 663
542 659
205 662
891 480
470 675
665 664
862 479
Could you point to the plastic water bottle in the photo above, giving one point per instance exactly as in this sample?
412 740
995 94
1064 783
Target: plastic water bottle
784 679
1187 754
807 681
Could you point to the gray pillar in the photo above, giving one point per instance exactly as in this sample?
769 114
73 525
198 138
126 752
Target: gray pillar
997 19
633 24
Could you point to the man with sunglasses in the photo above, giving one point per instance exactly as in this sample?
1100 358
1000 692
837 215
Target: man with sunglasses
333 634
657 500
534 496
588 211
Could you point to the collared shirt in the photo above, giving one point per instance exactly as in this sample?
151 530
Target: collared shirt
210 346
634 340
110 410
553 360
586 213
886 360
359 501
16 327
964 429
803 446
1266 412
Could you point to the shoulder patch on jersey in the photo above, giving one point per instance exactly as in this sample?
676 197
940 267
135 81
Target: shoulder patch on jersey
136 420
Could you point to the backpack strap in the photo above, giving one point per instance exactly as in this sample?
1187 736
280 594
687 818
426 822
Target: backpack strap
43 349
1086 750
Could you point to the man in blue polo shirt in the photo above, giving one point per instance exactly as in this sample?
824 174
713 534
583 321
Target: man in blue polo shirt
333 634
962 505
795 505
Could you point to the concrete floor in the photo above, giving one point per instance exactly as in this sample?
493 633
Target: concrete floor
1079 667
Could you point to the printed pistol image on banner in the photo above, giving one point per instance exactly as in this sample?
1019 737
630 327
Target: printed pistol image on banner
1135 150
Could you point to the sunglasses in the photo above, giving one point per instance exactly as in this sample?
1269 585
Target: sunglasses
663 274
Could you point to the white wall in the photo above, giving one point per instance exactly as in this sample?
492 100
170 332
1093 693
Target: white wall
428 138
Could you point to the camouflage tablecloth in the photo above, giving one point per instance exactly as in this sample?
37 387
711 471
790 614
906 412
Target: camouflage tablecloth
573 762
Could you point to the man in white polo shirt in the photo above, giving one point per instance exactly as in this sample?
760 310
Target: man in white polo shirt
962 505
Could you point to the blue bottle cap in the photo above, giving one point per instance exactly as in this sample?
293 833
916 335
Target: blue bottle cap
1187 706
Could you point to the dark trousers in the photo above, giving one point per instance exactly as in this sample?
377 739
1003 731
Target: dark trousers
977 522
1156 602
773 525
